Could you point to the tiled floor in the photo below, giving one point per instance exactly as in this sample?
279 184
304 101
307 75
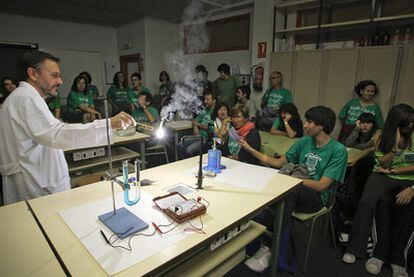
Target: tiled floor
325 261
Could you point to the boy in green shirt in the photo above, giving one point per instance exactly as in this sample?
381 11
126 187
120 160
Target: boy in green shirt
226 85
325 160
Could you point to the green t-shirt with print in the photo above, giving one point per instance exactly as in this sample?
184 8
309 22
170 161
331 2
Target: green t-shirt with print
120 97
133 95
277 123
403 159
226 89
329 160
233 146
166 89
140 115
274 98
204 118
53 103
75 99
353 109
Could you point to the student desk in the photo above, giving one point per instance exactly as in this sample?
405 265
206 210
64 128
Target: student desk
229 206
272 144
25 250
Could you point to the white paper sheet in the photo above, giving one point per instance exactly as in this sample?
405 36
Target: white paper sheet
179 124
242 175
83 220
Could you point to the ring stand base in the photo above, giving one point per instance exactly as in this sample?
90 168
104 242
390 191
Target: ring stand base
123 223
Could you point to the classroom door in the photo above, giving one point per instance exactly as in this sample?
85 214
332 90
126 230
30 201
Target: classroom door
130 64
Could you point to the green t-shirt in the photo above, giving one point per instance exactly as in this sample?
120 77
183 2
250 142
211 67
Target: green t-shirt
233 146
133 95
277 123
329 160
166 89
274 98
53 103
353 109
75 99
226 89
93 90
120 97
406 158
204 118
140 115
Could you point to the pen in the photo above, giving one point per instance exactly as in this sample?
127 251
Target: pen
157 228
105 238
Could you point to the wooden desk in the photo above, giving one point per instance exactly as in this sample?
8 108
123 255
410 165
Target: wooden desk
272 144
245 203
178 127
24 250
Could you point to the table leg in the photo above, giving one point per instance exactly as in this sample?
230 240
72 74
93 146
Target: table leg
142 153
175 145
277 235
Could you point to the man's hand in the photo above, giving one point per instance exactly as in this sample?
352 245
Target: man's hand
121 121
384 170
404 197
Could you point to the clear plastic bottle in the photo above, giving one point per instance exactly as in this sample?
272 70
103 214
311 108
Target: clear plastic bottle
407 36
396 38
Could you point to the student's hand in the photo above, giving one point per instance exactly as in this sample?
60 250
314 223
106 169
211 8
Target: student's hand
397 138
245 145
193 122
352 161
93 116
358 124
141 102
404 197
233 157
226 120
384 170
288 117
121 121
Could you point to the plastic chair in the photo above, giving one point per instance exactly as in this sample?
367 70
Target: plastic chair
313 217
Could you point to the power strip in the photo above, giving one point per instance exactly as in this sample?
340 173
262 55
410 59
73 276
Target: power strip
88 154
229 235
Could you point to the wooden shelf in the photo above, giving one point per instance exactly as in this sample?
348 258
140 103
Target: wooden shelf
118 154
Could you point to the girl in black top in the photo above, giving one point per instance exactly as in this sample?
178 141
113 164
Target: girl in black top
288 123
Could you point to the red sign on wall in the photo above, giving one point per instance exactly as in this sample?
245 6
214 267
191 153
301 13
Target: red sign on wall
261 50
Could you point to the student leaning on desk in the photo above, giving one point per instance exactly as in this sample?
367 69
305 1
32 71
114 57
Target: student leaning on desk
32 162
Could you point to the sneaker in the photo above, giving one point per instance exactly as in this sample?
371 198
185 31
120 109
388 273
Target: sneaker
348 258
260 260
374 265
398 271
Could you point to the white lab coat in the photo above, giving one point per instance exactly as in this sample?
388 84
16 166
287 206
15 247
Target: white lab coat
32 162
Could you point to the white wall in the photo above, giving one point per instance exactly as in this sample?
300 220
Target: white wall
62 35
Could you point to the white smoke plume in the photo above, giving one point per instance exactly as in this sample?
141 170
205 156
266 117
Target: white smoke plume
184 102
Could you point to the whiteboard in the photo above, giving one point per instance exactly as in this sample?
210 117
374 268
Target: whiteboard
73 62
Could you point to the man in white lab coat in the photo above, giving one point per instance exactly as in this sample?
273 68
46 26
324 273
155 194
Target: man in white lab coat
32 162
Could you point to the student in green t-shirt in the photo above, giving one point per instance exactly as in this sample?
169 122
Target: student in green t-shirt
141 108
325 160
80 106
288 123
392 178
53 102
92 89
272 99
226 85
203 125
366 91
119 93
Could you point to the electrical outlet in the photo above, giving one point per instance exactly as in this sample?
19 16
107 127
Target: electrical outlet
216 243
226 237
77 156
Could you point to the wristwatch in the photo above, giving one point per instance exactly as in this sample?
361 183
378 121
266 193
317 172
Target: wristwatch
286 122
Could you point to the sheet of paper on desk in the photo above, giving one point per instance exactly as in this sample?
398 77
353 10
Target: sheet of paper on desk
179 124
84 223
243 175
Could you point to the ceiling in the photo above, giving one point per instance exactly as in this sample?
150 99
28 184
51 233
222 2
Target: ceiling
116 12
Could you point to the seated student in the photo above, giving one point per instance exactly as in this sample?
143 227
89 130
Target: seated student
361 135
243 98
8 85
247 132
394 171
141 108
325 159
394 225
53 102
137 86
272 99
221 121
201 81
292 126
80 107
92 89
366 91
202 125
119 94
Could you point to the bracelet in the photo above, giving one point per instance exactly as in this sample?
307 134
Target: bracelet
392 171
286 122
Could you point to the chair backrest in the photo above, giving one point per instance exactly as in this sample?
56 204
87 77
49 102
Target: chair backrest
332 196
